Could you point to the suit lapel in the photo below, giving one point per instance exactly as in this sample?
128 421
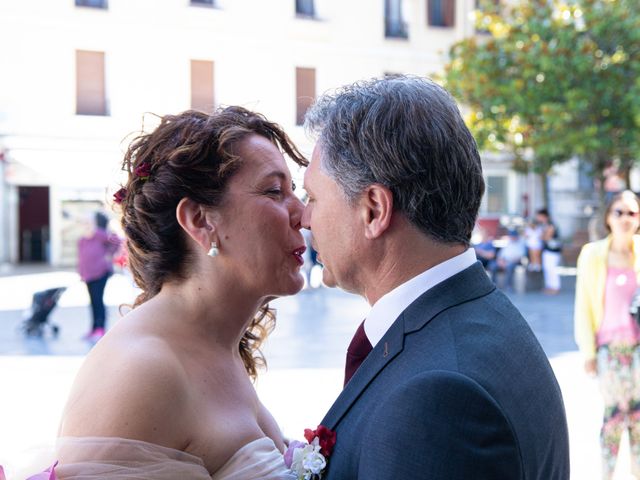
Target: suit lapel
386 350
467 285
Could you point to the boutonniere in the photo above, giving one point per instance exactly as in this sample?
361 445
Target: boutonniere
308 461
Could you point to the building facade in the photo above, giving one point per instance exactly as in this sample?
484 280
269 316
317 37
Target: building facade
79 78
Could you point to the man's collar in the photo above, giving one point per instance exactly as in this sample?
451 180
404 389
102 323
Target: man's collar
384 312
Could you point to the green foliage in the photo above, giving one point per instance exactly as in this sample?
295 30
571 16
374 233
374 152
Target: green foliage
557 78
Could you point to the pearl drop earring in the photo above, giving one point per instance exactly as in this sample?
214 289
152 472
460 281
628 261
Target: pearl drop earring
213 251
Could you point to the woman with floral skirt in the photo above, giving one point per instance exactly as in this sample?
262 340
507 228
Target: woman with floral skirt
606 332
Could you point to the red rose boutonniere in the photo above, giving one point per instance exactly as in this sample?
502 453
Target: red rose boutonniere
326 438
308 461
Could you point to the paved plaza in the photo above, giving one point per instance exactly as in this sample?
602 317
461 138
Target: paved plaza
305 358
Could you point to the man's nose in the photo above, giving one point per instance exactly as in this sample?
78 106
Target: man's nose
297 211
305 221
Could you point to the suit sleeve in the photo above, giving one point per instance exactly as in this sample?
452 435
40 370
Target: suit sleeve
439 426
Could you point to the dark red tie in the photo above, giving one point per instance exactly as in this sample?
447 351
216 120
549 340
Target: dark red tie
358 350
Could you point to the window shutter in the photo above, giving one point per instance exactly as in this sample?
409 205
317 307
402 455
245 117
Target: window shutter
90 83
202 85
449 13
305 91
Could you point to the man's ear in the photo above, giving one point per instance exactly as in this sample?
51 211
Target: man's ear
377 207
195 221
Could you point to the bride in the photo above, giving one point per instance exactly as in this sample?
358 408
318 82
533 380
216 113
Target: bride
213 233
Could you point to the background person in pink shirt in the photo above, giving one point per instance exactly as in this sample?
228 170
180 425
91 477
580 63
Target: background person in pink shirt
95 265
606 333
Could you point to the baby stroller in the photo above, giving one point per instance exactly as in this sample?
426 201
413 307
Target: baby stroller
41 306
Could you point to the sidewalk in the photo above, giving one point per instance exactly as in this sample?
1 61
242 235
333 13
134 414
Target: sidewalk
305 354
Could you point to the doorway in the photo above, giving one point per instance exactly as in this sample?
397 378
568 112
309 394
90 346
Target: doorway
33 224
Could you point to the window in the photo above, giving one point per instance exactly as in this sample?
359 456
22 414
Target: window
202 85
90 83
92 3
203 2
305 91
441 13
305 8
394 25
496 195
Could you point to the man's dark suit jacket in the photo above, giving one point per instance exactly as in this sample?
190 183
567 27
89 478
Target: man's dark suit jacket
457 389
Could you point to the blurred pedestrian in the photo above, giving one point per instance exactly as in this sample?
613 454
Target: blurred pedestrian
551 252
533 238
613 181
606 333
312 269
308 260
596 225
485 250
509 257
95 265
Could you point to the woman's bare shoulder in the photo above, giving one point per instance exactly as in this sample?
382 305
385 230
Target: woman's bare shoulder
130 386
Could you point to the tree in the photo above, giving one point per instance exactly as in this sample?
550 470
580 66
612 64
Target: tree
553 79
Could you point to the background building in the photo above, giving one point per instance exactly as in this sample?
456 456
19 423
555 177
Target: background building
79 78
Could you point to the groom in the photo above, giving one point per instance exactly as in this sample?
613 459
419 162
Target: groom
452 383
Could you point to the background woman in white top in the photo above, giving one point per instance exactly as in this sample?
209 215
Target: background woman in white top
551 252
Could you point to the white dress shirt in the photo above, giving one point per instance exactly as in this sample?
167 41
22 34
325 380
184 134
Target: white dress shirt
385 311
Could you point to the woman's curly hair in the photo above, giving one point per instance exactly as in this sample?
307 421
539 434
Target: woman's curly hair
189 155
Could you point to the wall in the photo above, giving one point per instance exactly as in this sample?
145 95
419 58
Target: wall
255 46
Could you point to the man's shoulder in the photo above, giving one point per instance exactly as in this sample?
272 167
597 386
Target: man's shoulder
463 291
473 336
464 286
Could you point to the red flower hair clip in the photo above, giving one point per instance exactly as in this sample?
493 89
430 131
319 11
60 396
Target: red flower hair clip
119 195
143 171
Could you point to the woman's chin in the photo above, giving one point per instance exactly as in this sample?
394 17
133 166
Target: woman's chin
293 286
328 279
298 284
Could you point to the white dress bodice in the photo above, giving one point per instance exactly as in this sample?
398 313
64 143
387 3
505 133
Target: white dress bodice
259 459
93 458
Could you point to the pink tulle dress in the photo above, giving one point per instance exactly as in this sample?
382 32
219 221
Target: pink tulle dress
119 458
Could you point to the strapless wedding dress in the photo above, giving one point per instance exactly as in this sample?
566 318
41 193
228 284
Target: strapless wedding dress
124 459
259 459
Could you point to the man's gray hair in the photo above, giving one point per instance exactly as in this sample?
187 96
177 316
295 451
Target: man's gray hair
405 133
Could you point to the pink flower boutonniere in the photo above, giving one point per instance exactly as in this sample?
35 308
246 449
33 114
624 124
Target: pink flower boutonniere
308 461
